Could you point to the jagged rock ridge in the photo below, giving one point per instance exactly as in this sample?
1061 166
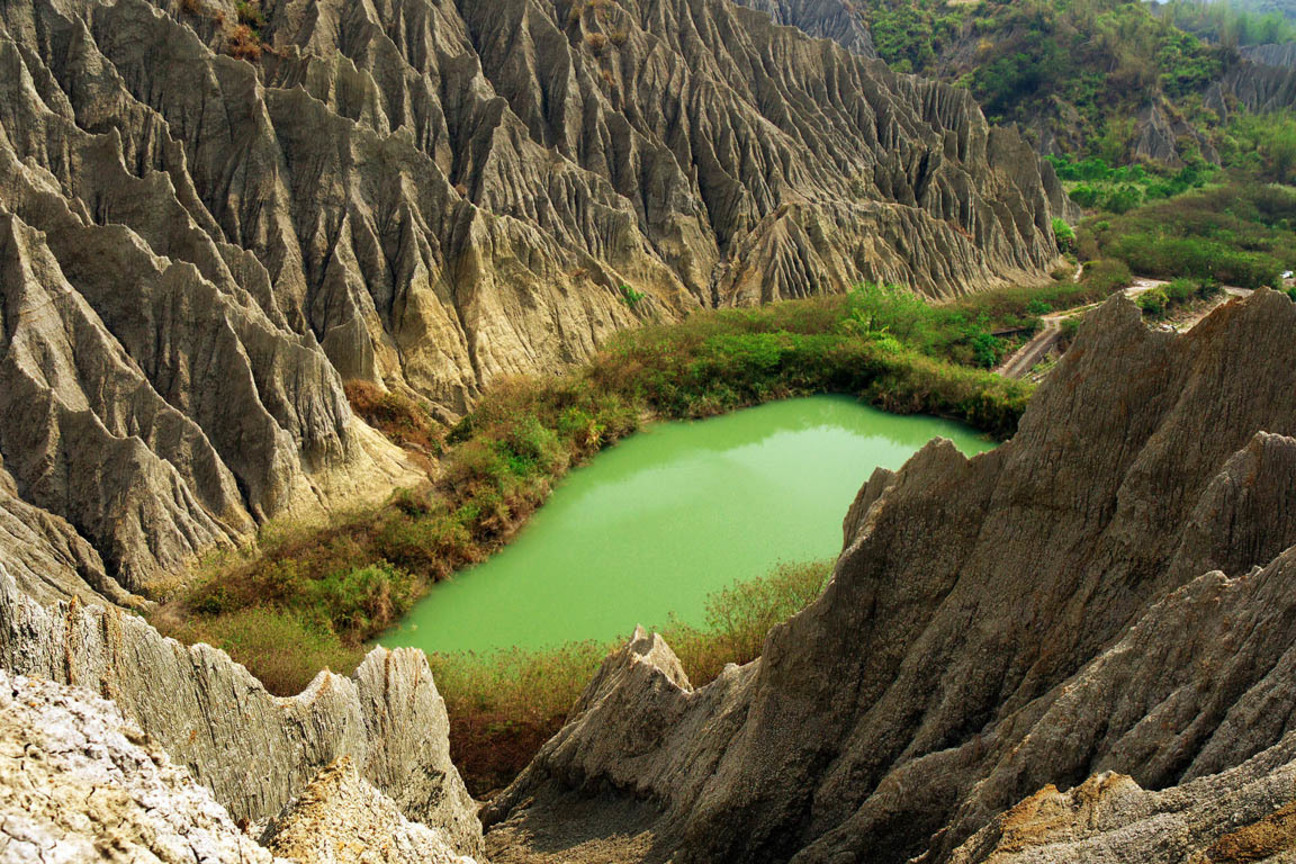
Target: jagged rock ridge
198 250
1266 82
340 818
80 783
1109 591
255 751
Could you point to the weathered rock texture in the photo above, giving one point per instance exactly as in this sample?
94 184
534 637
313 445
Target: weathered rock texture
1161 132
341 819
1246 814
255 751
1112 590
1266 83
1276 54
197 250
837 20
78 783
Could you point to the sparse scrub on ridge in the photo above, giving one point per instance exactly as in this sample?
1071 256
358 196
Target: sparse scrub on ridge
400 418
1175 295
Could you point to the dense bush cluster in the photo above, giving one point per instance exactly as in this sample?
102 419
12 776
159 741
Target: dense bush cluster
1241 234
1096 62
1094 184
1176 294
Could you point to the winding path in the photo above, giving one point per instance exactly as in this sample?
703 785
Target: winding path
1027 357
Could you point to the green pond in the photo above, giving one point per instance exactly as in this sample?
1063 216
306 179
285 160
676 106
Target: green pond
653 525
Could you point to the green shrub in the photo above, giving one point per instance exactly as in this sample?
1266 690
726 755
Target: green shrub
284 649
362 598
987 350
249 14
738 618
1065 234
1085 196
1123 199
631 297
1069 327
1180 291
1238 234
1106 276
1153 302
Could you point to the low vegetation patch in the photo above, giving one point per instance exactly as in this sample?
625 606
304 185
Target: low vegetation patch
1094 184
403 420
1241 234
1178 294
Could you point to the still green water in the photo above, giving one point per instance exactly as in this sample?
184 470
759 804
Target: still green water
656 523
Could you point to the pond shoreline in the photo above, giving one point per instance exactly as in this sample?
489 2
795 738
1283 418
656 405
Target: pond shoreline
673 504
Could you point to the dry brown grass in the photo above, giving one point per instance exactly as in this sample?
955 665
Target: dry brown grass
397 416
1258 841
243 44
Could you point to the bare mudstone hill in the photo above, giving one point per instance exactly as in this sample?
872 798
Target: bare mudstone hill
213 214
80 783
1113 590
258 753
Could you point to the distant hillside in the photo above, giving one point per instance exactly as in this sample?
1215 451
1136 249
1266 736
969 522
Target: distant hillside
1117 79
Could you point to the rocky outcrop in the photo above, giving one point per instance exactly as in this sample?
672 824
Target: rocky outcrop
255 751
1266 83
341 819
1273 54
1109 591
1242 815
1256 87
78 783
1161 133
838 20
197 250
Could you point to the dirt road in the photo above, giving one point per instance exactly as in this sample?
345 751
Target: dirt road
1027 357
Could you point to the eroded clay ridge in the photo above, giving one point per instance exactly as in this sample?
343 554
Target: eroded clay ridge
1112 590
197 250
256 752
838 20
80 783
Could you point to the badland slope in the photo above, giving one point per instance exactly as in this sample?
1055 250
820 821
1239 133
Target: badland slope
256 752
212 215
